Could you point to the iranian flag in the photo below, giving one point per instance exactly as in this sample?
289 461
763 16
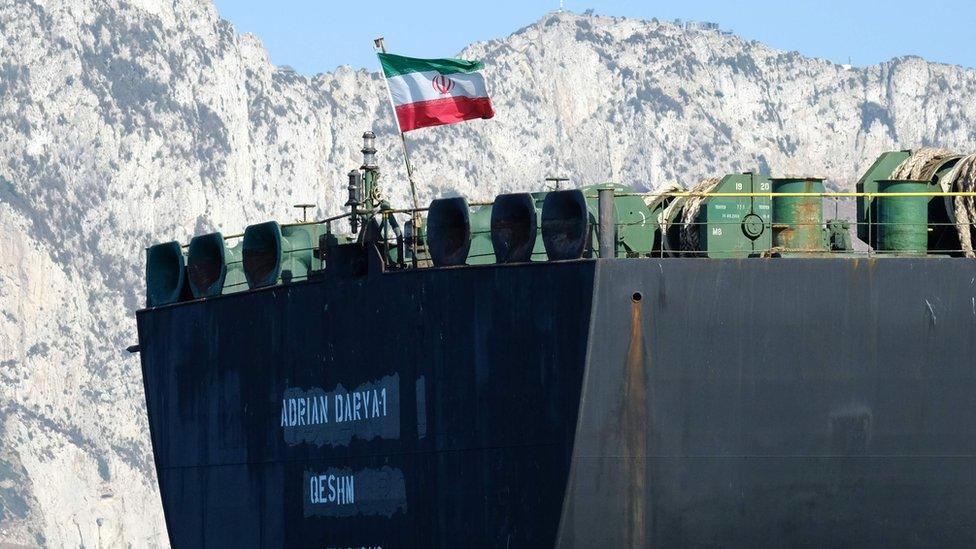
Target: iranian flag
434 92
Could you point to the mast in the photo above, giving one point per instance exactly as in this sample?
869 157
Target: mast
380 47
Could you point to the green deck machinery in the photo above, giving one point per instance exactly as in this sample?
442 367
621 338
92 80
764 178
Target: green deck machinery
798 221
902 226
737 226
734 226
636 223
727 226
942 236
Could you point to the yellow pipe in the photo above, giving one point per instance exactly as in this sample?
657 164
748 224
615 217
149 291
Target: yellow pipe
821 195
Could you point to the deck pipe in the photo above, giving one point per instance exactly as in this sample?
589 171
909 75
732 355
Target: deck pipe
608 223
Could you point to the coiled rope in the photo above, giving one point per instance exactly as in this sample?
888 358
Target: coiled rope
655 200
689 216
922 166
669 214
962 178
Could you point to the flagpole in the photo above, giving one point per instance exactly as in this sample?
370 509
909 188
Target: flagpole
415 218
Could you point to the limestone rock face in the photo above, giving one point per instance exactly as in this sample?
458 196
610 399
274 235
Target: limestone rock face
129 122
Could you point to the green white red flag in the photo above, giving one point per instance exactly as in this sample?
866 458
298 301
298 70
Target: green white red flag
434 92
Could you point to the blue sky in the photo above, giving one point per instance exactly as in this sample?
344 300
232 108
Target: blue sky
318 35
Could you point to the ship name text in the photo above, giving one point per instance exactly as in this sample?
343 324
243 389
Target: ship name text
332 489
335 417
315 410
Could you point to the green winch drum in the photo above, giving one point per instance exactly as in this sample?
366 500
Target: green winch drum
903 220
798 220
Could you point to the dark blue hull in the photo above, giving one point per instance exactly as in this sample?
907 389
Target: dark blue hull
613 402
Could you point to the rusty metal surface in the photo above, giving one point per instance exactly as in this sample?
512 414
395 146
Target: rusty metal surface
778 403
633 424
797 221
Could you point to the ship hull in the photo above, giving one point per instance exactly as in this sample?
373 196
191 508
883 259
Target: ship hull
632 403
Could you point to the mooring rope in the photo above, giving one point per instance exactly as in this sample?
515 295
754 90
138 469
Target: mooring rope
921 165
669 213
658 197
962 178
689 216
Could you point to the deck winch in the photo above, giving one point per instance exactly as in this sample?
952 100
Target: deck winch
929 166
721 226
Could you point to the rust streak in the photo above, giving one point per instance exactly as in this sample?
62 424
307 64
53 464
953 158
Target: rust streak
634 419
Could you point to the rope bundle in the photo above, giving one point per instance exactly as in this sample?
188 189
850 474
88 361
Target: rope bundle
689 230
663 220
921 165
962 178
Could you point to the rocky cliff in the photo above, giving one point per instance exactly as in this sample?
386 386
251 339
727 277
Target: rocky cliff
127 122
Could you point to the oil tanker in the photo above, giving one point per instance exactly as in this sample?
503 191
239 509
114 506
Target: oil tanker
576 367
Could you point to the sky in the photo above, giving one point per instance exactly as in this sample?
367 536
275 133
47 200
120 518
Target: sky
314 36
